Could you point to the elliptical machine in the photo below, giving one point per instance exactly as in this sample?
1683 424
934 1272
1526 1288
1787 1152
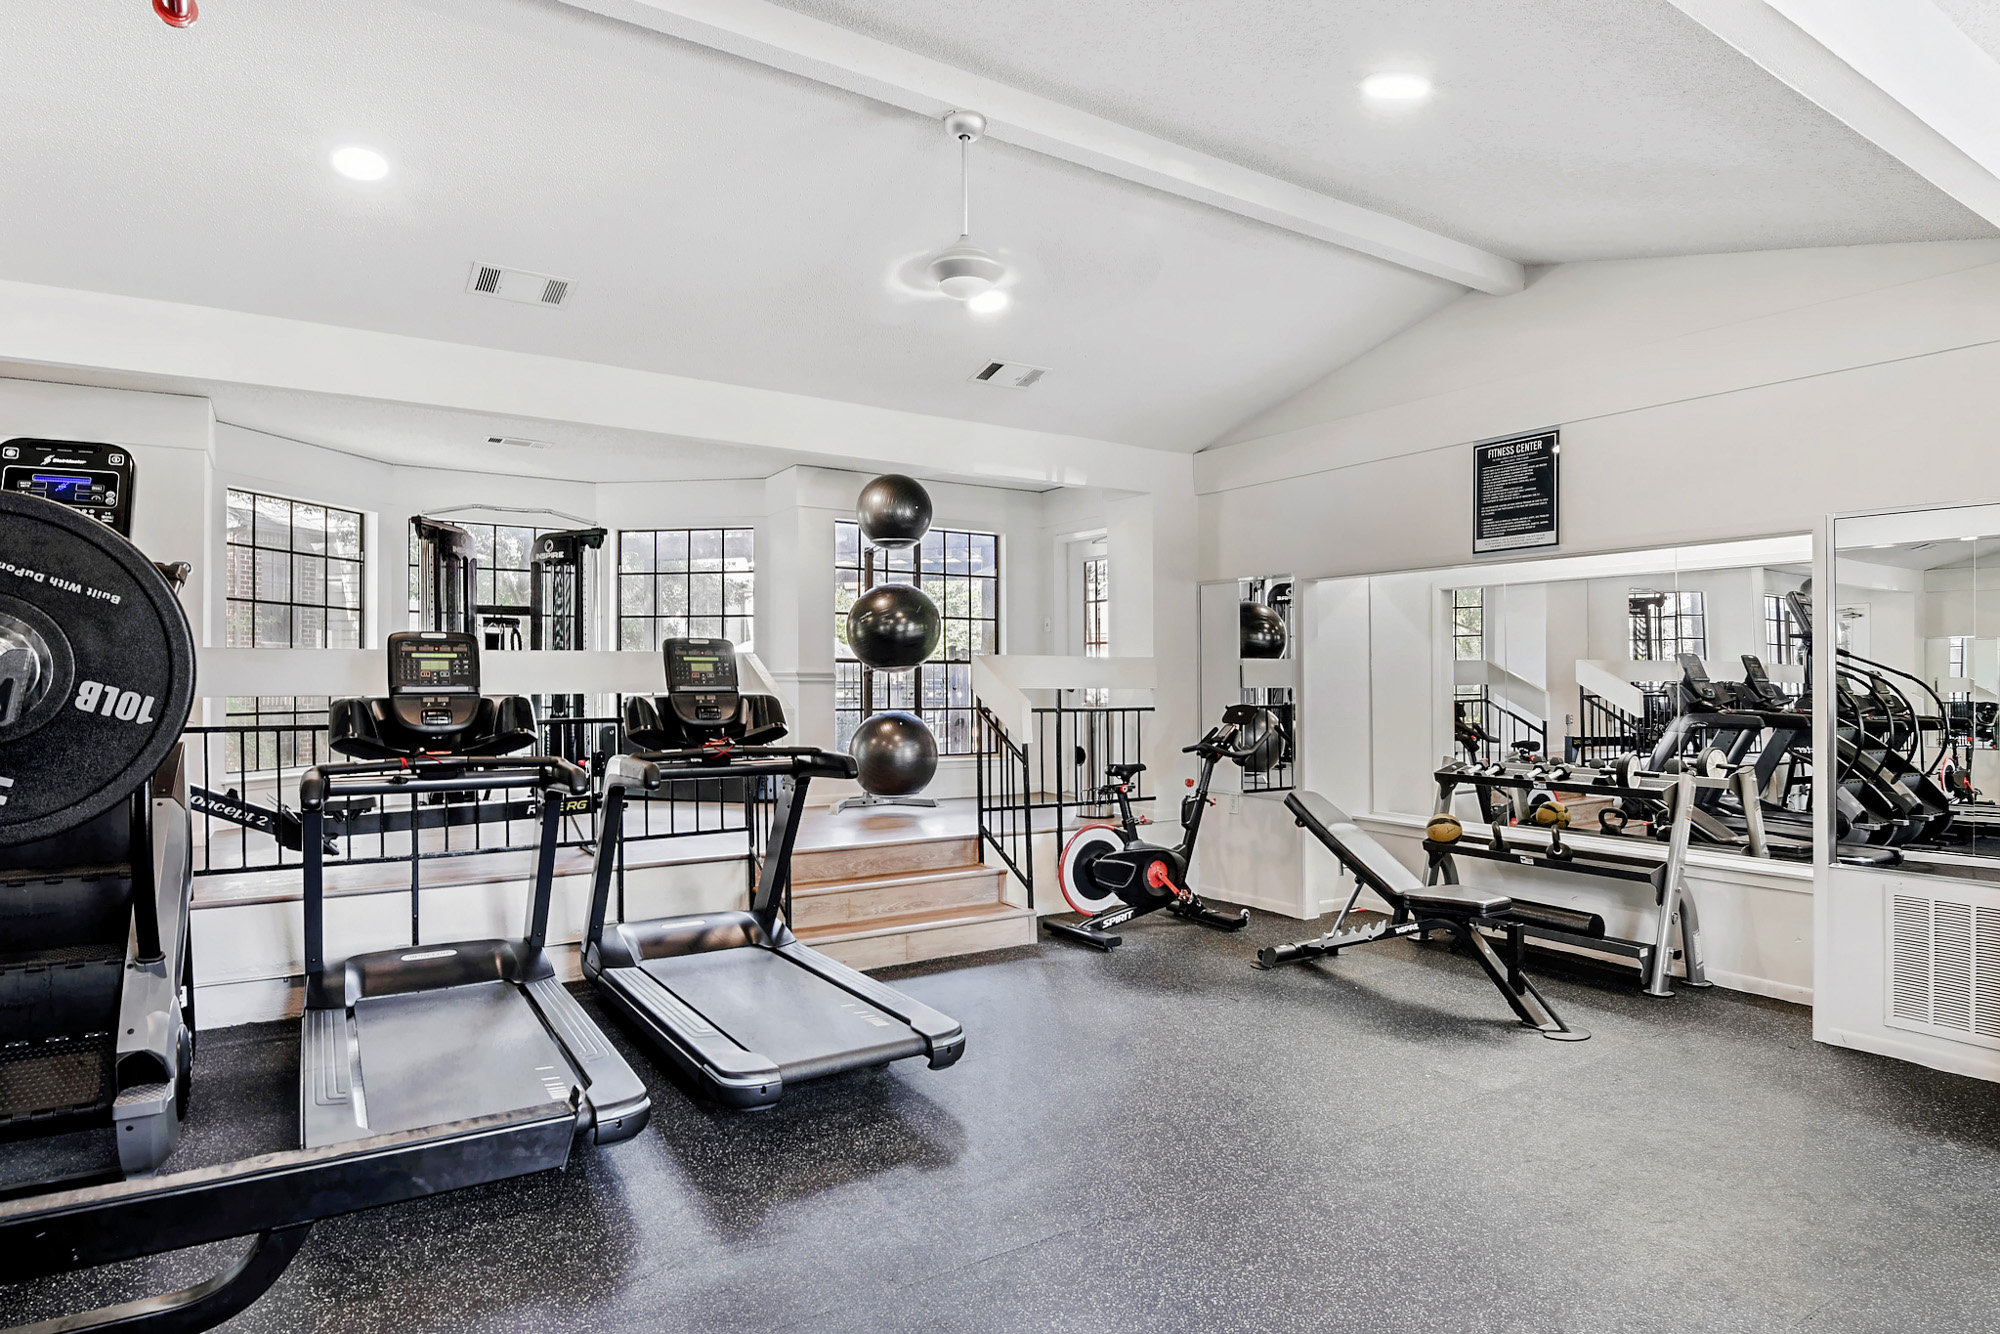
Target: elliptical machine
1103 863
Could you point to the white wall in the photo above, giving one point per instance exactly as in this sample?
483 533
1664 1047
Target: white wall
170 437
1699 398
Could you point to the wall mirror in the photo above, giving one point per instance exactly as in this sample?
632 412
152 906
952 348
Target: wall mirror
1915 684
1689 658
1250 636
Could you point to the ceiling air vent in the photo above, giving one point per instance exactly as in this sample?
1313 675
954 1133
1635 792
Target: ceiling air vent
517 441
1010 374
530 289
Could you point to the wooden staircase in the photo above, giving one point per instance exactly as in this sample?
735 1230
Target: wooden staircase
873 905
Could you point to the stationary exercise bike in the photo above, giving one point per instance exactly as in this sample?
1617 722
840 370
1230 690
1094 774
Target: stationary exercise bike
1111 865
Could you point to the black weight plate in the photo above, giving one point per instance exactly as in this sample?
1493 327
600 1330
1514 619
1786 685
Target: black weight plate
93 738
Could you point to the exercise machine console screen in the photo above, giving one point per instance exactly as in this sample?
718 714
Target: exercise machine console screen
701 679
433 664
91 479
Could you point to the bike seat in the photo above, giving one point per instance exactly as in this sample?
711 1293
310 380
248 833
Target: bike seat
1123 770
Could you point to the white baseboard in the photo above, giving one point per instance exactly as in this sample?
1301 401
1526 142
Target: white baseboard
1974 1063
1761 986
227 1004
1276 907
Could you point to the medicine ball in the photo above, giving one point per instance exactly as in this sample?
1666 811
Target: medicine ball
894 511
1443 829
1260 745
1263 630
893 627
896 753
1548 811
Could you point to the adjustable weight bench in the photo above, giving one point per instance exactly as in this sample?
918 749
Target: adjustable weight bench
1415 909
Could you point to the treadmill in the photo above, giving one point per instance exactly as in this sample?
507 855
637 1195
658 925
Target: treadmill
405 1039
733 999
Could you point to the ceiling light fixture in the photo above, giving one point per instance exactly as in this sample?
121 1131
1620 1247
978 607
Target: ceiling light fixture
360 164
1391 86
963 270
989 302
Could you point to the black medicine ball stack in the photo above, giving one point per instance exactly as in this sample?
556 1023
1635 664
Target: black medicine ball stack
893 627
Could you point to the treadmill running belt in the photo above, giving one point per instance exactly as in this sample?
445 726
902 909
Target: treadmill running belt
802 1023
436 1056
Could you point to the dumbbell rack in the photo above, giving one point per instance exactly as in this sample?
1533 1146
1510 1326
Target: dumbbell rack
1674 905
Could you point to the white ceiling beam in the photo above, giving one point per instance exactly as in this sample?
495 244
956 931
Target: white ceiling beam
793 42
1897 72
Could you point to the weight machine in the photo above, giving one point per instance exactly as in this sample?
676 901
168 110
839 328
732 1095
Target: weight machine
559 600
447 576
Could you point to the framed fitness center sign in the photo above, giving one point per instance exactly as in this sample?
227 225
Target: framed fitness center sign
1515 495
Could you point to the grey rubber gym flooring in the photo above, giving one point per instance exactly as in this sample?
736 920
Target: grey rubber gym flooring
1165 1139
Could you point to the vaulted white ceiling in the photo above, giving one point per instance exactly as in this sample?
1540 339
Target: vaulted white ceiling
1560 129
719 220
727 221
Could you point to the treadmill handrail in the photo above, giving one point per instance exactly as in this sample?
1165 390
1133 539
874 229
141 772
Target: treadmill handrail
647 769
445 773
122 1220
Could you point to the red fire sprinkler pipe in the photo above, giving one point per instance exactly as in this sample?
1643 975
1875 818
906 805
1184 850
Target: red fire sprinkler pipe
176 13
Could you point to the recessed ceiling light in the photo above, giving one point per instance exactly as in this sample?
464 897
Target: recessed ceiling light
1395 87
989 302
360 164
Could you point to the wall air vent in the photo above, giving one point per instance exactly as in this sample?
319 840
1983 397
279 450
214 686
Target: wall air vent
530 289
518 442
1944 965
1010 374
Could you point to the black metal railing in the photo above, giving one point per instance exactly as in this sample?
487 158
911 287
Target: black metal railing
1073 747
1042 782
1279 777
1494 730
243 789
1605 731
1002 798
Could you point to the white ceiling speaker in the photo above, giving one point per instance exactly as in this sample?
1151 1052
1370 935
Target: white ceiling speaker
962 270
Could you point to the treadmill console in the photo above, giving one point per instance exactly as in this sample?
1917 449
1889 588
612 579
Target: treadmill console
701 681
1695 680
92 479
433 680
433 706
703 703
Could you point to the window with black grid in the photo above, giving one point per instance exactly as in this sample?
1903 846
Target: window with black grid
961 573
506 570
685 582
1668 624
1468 624
293 573
1096 620
1783 644
1096 607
